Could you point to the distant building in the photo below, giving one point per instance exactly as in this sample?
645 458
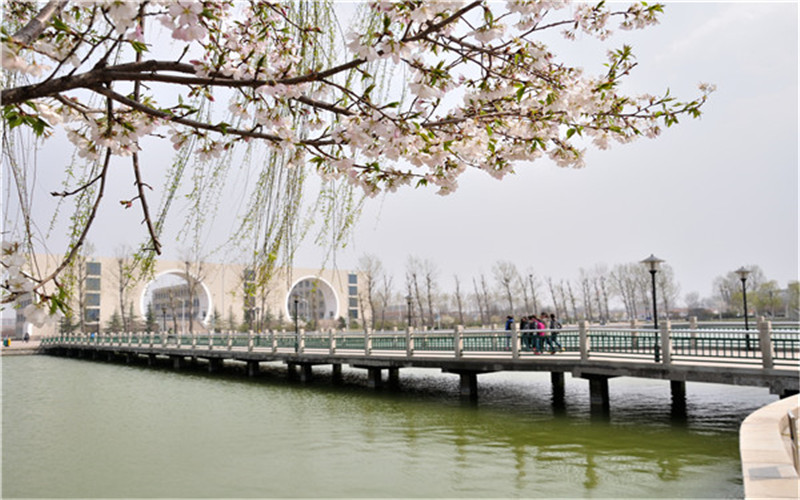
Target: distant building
217 297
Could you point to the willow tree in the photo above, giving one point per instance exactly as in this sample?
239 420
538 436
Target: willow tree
405 93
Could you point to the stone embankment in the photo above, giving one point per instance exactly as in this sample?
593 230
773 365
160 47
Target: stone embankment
769 450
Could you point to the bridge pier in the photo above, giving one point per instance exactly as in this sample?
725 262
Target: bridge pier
557 381
151 360
215 365
469 385
394 378
178 362
252 368
306 372
292 370
130 358
374 380
678 392
598 394
336 373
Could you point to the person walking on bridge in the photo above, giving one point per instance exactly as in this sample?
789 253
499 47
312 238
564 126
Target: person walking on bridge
555 326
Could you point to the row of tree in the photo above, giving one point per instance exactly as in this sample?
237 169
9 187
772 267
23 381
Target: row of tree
599 294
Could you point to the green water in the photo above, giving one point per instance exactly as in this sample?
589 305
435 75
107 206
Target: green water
89 429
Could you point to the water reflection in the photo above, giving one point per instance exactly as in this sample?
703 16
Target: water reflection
520 440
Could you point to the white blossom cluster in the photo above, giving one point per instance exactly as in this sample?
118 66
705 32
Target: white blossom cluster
478 88
19 285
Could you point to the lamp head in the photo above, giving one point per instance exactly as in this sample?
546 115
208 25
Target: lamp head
652 263
743 273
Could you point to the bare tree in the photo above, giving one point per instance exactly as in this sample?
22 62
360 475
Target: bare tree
459 301
193 274
533 283
552 288
505 273
572 299
429 271
124 277
478 299
370 268
384 296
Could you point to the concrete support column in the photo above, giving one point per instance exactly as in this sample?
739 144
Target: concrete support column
215 365
151 360
336 373
367 341
765 340
515 340
394 377
458 341
583 333
598 394
666 342
410 341
557 381
374 378
678 392
130 358
292 370
305 372
469 385
332 342
109 355
177 362
252 368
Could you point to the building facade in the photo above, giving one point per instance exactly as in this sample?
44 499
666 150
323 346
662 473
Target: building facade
201 297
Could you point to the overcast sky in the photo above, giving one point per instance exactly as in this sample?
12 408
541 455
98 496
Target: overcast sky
708 196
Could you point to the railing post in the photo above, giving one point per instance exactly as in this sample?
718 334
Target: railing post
273 341
765 339
367 341
194 341
458 341
178 342
583 336
164 341
301 341
152 338
250 342
332 341
693 333
230 340
634 334
409 341
211 342
666 342
515 341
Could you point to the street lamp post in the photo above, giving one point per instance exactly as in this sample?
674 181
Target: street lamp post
163 319
408 309
296 329
743 273
652 264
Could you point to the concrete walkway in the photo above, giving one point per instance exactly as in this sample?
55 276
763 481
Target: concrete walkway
768 468
20 347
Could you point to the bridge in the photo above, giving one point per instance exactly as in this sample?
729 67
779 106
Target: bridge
766 357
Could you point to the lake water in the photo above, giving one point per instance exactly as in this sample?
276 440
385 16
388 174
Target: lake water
90 429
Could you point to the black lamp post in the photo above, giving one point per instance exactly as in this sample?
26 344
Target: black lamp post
652 264
163 319
408 309
743 273
296 329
